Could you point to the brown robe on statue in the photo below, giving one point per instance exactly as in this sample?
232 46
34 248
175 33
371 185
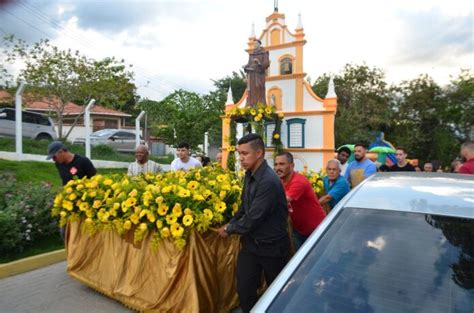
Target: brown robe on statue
255 69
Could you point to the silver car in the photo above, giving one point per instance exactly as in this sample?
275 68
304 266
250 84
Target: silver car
399 242
118 139
34 125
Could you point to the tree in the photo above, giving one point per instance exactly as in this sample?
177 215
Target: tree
429 122
182 116
363 102
237 81
60 76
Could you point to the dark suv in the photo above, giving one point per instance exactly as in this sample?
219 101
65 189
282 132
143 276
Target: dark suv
35 125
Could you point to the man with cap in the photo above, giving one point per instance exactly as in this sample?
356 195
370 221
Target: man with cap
69 165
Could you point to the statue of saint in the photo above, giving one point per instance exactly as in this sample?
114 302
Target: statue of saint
255 69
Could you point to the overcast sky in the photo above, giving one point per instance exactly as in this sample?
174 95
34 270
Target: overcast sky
185 44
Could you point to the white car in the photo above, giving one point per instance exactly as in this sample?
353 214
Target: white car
34 125
399 242
118 139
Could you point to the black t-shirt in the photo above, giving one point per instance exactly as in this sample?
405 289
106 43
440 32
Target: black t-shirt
79 167
407 168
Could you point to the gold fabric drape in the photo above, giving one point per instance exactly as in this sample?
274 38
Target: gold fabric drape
199 278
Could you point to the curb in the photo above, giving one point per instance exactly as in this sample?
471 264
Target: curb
32 263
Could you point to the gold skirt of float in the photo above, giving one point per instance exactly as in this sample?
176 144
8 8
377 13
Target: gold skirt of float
199 278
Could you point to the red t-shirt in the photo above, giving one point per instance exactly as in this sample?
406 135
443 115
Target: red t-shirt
467 167
307 212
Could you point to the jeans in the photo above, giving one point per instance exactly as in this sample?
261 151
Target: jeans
298 239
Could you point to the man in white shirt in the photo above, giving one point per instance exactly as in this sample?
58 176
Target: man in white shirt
142 164
184 161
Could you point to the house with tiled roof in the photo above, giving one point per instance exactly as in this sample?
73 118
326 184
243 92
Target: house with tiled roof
100 116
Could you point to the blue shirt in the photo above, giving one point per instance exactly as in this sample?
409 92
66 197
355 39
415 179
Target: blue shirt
356 172
337 190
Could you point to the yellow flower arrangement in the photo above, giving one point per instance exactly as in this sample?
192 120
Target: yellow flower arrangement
258 113
167 205
316 180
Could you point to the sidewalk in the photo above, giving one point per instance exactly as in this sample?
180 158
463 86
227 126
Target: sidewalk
50 289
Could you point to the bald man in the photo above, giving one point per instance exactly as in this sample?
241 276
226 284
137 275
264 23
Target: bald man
142 164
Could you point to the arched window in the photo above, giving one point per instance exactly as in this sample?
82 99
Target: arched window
296 132
269 128
286 66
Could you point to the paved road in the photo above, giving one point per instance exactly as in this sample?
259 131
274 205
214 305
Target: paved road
51 289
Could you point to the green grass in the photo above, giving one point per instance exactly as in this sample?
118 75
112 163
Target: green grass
40 246
101 152
38 172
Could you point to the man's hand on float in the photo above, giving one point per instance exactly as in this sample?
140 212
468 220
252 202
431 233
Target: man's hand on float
222 231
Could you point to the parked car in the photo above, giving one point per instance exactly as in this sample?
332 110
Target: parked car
399 242
118 139
34 125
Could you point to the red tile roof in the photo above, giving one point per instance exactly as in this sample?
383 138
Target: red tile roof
74 109
70 109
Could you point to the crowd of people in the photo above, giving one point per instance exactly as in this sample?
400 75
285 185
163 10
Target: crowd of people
279 207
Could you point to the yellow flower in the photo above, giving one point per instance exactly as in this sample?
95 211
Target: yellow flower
159 200
150 216
97 204
63 214
130 202
134 218
125 182
253 112
198 197
192 185
67 205
184 193
58 200
143 226
84 206
221 178
163 209
108 182
116 206
208 214
166 189
187 220
72 196
127 225
212 183
281 115
133 193
94 184
260 111
159 224
176 230
171 219
187 211
165 232
68 190
257 118
268 110
79 187
207 193
92 194
276 136
89 220
220 207
222 194
177 211
115 186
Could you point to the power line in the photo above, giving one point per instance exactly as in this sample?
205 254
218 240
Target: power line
55 24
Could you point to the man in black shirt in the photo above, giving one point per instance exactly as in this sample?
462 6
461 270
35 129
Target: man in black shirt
262 222
69 164
402 165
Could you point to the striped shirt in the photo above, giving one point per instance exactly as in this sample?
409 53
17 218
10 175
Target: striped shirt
136 168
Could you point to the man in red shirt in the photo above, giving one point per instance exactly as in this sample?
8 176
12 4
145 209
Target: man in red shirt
305 211
467 154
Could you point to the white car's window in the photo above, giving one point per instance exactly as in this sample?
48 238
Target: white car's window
102 133
371 261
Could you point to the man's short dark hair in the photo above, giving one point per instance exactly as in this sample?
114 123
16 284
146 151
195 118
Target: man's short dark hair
344 149
401 148
289 156
183 145
360 144
255 141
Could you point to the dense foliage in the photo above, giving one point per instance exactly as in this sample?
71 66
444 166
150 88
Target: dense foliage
24 214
